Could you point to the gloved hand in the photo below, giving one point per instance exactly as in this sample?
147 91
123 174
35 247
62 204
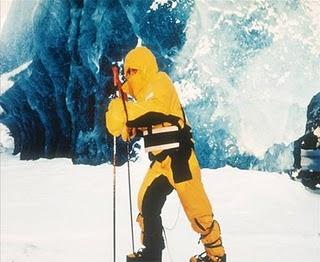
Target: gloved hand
128 133
115 117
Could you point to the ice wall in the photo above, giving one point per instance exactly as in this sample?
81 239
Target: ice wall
16 41
56 106
246 72
252 68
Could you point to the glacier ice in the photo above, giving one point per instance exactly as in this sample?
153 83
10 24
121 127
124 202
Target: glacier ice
246 72
56 106
254 67
16 42
313 113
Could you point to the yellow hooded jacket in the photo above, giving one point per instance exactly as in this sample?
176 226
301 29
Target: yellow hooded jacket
155 95
157 104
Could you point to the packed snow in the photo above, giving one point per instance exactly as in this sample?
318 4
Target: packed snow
53 211
6 141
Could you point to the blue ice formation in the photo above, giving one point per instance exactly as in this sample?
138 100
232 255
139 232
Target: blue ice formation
252 75
313 113
16 41
56 106
245 71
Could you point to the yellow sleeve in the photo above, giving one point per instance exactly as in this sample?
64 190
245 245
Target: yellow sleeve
115 117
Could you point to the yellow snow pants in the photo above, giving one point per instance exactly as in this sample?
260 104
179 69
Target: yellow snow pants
160 181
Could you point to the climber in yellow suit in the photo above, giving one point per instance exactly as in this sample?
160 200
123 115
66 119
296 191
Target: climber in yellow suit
156 114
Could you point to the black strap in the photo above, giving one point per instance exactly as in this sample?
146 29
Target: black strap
153 118
213 244
210 229
161 138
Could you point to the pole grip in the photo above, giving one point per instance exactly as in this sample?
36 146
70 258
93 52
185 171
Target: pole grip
117 83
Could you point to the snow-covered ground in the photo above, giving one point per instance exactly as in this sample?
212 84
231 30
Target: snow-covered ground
54 211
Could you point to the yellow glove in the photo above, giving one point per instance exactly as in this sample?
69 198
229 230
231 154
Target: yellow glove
115 117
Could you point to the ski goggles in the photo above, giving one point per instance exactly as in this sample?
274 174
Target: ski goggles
130 72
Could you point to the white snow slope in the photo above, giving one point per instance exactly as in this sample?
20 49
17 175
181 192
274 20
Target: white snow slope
53 211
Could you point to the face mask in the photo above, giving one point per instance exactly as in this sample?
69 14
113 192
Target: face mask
136 83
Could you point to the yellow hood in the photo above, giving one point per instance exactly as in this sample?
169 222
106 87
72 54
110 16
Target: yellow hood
142 59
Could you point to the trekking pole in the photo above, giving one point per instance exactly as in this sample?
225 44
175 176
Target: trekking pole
130 199
114 196
123 96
